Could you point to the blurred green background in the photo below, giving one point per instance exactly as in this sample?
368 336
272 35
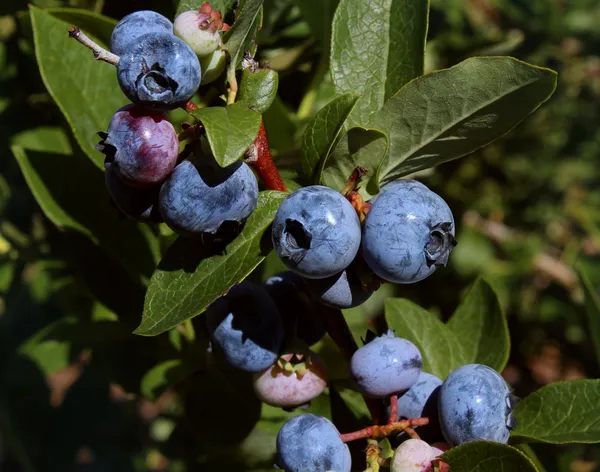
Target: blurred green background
78 392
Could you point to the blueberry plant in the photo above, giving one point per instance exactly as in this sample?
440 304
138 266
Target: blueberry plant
184 117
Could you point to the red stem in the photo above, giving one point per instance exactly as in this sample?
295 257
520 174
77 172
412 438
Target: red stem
264 165
379 432
393 409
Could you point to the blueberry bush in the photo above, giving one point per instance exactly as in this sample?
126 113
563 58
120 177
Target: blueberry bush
285 263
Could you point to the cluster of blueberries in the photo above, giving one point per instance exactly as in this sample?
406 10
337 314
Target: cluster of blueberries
161 65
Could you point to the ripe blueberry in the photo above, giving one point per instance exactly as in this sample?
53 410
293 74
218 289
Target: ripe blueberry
408 232
159 70
343 290
141 145
316 232
245 326
476 404
421 399
137 24
200 195
311 443
414 455
299 311
140 204
294 380
200 29
385 366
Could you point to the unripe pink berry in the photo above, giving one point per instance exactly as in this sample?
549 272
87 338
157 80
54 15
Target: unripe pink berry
413 455
200 29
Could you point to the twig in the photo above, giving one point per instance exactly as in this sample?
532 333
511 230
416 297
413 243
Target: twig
261 161
551 267
380 432
373 456
393 409
233 86
100 53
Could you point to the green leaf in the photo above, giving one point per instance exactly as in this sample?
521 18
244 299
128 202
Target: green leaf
85 90
322 134
230 130
160 377
446 114
481 326
376 48
318 14
592 310
224 6
359 147
259 88
241 34
560 413
190 277
487 456
440 348
72 194
50 354
92 23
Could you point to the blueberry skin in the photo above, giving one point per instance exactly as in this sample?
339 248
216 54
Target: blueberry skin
386 366
141 144
316 232
408 232
311 443
159 70
297 308
246 327
416 400
475 403
135 25
139 204
200 195
341 290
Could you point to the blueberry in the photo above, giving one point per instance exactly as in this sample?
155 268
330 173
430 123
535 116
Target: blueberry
343 290
141 145
159 70
408 232
298 310
137 24
245 327
293 381
420 400
311 443
140 204
316 232
413 455
200 29
476 404
385 366
200 196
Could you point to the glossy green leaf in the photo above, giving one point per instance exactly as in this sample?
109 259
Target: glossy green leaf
358 147
481 326
239 38
86 90
376 48
559 413
230 130
592 311
224 6
487 456
259 88
440 348
190 277
80 202
92 23
318 14
322 134
446 114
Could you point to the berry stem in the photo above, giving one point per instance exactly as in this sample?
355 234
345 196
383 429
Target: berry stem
262 162
373 455
380 432
100 53
393 409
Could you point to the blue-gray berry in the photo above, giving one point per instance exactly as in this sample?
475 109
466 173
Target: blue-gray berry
408 232
316 232
135 25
